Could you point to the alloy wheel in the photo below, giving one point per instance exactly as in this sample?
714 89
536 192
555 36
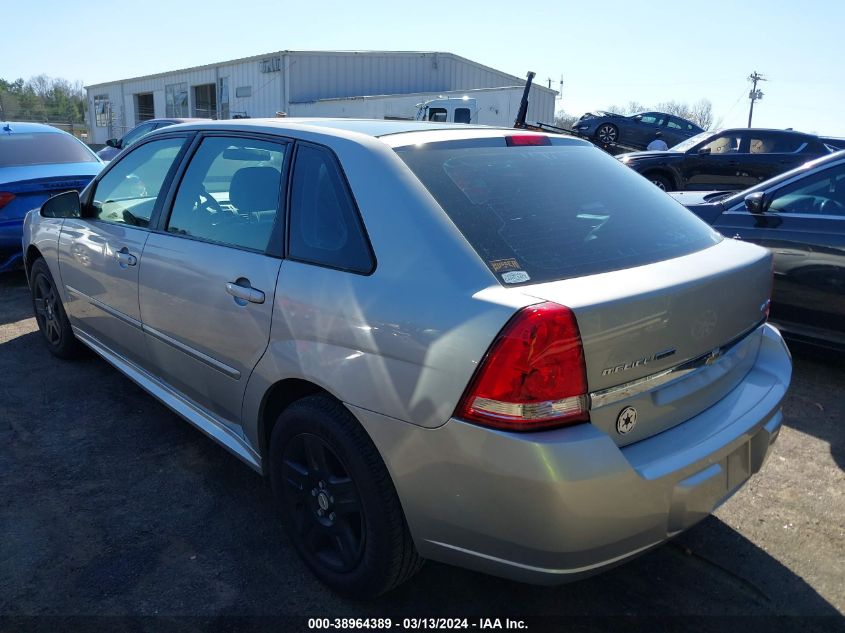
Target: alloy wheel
323 502
47 310
607 134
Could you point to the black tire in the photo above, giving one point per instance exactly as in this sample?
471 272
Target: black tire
50 313
660 181
607 133
339 505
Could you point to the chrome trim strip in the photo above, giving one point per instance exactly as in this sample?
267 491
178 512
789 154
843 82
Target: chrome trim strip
225 369
608 396
105 308
543 570
206 422
231 372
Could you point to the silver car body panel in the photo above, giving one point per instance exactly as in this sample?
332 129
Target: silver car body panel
554 506
399 346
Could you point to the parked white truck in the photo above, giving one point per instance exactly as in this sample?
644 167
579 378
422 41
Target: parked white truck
485 106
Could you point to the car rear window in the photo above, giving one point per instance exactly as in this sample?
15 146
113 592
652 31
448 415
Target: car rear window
542 213
42 148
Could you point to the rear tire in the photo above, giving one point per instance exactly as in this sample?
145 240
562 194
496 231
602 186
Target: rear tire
339 505
50 313
607 133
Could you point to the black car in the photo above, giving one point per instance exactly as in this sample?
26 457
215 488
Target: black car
635 131
800 216
726 160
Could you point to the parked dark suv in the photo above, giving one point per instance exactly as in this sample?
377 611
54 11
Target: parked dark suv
726 160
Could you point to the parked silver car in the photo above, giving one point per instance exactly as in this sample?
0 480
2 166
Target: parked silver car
488 347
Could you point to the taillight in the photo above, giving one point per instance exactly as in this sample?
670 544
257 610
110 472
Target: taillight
520 140
533 376
5 198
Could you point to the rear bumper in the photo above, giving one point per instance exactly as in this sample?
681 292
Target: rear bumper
554 506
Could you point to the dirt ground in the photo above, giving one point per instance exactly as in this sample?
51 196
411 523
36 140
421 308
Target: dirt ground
111 505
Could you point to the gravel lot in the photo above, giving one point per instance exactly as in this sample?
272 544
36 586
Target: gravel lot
112 505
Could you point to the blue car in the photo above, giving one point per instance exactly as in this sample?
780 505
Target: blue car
36 161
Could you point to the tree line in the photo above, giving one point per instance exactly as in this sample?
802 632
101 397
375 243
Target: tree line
42 98
700 112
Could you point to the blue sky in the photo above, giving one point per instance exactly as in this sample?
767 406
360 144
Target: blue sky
608 52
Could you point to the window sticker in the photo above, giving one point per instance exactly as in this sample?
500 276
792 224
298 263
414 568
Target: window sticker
503 265
515 277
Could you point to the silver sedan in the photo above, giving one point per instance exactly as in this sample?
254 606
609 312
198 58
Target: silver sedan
493 348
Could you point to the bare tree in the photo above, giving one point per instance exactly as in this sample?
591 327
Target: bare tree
701 113
41 85
564 119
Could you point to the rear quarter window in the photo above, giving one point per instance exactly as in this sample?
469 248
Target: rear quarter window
543 213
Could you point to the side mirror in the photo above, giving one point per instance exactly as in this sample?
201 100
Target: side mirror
756 202
114 142
638 118
704 150
63 205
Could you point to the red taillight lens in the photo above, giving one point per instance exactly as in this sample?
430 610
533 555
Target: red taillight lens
5 198
520 140
533 377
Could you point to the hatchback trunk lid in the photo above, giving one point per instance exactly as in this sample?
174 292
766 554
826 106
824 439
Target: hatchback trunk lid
640 322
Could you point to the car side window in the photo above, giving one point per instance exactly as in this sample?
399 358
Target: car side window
127 193
325 227
822 193
674 124
136 134
768 143
723 144
230 192
652 119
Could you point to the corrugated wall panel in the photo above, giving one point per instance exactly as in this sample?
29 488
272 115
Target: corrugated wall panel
322 75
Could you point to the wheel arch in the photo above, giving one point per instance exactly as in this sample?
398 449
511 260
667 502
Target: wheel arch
32 253
662 171
279 396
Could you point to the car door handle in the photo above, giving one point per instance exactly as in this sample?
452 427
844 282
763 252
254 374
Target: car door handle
125 258
244 291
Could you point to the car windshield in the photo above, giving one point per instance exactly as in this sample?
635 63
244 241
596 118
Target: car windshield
552 212
44 148
691 142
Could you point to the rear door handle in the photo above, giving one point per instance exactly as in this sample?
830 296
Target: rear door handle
125 258
243 290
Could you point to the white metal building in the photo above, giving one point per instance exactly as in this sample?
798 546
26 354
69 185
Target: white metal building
312 83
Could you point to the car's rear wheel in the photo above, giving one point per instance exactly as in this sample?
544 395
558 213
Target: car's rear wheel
337 499
50 313
607 133
660 181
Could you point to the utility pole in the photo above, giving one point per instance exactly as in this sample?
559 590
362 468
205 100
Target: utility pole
754 95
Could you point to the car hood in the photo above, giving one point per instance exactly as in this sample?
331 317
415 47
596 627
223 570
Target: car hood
697 202
35 172
632 156
107 153
692 197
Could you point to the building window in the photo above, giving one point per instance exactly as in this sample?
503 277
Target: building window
243 91
176 100
144 108
205 101
102 110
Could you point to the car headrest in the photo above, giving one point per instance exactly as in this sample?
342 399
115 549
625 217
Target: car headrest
255 189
